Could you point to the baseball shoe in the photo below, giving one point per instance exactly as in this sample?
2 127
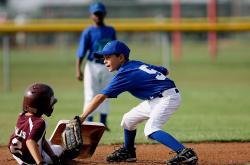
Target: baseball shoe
122 155
185 157
107 128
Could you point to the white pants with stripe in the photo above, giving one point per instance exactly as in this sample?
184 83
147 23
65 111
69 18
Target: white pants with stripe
156 111
96 77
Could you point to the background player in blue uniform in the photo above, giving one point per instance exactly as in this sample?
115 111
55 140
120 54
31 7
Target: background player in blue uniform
161 100
96 76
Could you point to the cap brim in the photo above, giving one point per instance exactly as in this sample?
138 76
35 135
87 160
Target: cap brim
101 54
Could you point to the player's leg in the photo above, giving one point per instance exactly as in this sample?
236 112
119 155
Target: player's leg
62 155
104 109
89 83
57 149
105 78
129 122
162 110
19 161
98 76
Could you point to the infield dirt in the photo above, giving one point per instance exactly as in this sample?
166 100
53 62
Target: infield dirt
211 153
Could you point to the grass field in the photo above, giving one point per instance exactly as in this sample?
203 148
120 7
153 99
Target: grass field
215 93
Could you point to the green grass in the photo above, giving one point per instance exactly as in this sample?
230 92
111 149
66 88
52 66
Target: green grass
215 93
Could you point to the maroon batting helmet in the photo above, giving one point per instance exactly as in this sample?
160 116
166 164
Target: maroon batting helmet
39 99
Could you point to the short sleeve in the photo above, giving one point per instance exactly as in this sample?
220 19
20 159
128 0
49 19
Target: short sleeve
159 69
83 44
117 85
37 130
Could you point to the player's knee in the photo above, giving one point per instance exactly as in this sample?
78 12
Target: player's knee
57 149
127 123
148 132
149 129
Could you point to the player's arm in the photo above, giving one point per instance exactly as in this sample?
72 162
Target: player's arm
96 101
161 69
79 74
81 52
34 151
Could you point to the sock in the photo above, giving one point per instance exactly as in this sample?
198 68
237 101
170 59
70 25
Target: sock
90 118
103 118
167 140
129 139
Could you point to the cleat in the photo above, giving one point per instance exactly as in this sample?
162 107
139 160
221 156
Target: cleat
107 128
122 155
185 157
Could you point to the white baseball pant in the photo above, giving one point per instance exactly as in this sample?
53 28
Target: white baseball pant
57 149
156 111
96 77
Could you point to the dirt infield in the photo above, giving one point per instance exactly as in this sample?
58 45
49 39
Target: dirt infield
209 154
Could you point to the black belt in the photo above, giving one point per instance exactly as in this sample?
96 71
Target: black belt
160 94
99 61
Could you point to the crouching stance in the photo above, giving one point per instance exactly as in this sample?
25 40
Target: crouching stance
160 96
28 144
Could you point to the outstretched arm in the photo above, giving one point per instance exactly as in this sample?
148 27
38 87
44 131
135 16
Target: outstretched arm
96 101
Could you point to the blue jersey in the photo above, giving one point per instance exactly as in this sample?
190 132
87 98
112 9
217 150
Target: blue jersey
93 39
142 80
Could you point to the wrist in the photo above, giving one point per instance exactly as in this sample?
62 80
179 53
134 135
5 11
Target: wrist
82 118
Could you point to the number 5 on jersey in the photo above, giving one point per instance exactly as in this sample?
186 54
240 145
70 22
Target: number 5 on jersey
159 75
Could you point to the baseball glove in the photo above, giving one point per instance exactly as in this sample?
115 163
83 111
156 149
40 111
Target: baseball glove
72 138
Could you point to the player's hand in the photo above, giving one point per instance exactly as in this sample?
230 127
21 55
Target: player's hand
72 138
79 75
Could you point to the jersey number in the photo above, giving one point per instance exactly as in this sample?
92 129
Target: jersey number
16 146
159 75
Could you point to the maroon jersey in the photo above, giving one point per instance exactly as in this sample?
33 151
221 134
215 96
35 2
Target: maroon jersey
27 127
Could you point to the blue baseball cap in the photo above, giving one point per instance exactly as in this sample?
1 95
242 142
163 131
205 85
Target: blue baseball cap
113 47
97 7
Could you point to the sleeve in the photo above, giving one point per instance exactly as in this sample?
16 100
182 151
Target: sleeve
117 85
37 130
83 44
159 69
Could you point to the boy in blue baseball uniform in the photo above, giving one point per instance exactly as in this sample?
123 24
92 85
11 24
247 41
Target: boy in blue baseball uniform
161 99
95 76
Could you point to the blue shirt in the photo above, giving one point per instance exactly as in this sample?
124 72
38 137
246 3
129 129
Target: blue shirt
142 80
93 39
